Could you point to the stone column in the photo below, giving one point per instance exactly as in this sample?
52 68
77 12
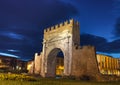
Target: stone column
68 57
43 59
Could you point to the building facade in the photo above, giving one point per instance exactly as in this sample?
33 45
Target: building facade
108 65
10 63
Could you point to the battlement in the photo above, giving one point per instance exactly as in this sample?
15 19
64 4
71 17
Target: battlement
67 22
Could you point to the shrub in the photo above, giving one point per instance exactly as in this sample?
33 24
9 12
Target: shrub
18 77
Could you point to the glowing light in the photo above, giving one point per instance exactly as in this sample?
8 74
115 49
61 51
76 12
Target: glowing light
29 66
61 67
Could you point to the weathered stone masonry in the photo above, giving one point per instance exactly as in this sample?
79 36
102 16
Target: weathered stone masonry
84 62
78 61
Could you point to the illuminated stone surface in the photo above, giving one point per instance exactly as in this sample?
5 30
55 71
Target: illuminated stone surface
78 61
65 37
56 39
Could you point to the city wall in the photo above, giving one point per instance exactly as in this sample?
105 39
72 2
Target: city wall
84 62
37 63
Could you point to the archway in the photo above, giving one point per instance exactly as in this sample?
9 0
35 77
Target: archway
55 62
61 37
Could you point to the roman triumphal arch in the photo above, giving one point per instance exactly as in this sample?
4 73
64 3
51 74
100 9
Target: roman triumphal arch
79 61
58 38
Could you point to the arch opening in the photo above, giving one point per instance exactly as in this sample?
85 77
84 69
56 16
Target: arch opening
55 63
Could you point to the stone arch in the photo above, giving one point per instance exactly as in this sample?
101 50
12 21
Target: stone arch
53 51
62 36
51 62
78 61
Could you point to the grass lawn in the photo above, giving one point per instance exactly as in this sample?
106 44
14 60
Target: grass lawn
45 81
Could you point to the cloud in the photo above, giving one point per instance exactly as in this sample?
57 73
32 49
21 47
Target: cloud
116 30
22 23
10 55
11 35
101 44
36 12
88 39
114 46
11 50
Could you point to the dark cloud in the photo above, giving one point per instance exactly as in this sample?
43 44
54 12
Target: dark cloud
100 43
114 46
22 23
116 31
36 12
88 39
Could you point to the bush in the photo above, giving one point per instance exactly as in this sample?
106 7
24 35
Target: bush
18 77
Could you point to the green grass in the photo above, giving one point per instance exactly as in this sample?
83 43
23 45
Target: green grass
18 77
22 79
46 81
